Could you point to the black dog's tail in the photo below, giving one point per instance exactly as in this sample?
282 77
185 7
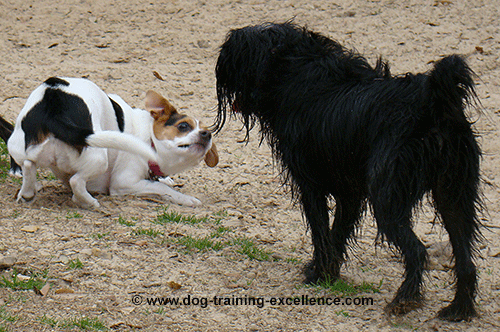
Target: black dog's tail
451 88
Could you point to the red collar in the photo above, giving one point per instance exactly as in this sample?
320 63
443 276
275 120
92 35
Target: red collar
154 168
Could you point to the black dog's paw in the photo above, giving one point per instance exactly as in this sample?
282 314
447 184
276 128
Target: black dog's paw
314 274
311 273
402 307
457 312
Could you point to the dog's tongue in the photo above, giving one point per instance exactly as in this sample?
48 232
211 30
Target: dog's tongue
155 169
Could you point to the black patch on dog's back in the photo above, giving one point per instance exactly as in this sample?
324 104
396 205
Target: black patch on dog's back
55 81
63 115
119 115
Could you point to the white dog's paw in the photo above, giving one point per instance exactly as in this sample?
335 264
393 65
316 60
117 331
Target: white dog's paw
186 200
167 180
24 198
90 204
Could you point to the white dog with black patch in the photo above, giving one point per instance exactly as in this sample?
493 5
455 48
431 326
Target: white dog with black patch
98 143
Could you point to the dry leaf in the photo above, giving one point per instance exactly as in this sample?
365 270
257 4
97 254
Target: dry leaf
158 76
64 291
121 60
174 285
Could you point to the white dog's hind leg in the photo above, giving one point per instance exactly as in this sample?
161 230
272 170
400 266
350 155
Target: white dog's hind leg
30 185
81 196
91 163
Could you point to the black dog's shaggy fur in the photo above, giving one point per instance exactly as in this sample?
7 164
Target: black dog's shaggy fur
344 129
6 129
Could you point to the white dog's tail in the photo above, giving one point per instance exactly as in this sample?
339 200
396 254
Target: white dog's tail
121 141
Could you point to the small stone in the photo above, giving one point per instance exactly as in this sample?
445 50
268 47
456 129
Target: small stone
44 291
44 253
22 277
7 261
102 254
63 259
87 252
30 228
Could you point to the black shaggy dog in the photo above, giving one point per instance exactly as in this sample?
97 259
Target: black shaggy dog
6 129
343 129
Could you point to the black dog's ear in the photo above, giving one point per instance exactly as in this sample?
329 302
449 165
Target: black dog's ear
158 106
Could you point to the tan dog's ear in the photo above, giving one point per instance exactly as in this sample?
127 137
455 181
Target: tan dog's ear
212 157
158 106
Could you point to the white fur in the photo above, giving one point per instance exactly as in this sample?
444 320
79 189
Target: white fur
114 163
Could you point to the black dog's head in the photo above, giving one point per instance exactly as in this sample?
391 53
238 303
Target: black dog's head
253 59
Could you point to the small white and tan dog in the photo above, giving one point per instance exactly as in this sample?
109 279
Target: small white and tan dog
98 143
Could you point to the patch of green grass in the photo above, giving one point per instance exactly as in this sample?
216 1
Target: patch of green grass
4 160
49 321
147 231
342 313
15 214
293 260
201 244
243 246
403 326
220 231
73 215
7 317
251 250
125 222
100 235
83 323
46 175
36 280
166 217
343 288
75 264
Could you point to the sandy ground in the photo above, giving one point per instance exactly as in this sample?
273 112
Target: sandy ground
118 45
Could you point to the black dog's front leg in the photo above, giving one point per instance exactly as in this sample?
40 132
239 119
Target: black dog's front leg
324 264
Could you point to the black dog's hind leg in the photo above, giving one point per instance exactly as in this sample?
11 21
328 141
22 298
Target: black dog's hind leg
329 244
397 230
455 198
459 221
392 202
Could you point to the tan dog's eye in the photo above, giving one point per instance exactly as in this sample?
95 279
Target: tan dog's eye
184 127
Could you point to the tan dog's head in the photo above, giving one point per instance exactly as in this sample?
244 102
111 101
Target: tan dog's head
181 142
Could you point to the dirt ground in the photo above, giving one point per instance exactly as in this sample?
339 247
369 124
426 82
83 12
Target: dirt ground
95 262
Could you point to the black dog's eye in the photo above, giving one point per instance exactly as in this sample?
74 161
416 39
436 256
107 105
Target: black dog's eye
183 127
